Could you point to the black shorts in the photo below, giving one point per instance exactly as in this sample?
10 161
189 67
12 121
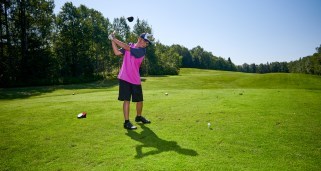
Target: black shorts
128 90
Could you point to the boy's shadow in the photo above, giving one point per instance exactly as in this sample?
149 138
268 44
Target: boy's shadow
149 139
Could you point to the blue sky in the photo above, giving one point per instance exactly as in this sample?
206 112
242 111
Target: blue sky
247 31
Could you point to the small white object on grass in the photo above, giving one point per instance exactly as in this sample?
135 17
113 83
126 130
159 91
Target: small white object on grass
166 94
209 125
82 115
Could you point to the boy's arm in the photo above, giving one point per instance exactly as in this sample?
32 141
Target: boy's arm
117 52
115 42
121 44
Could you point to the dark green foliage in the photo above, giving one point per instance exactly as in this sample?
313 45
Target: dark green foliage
199 58
81 48
307 65
25 42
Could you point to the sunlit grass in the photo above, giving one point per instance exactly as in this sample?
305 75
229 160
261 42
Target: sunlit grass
258 122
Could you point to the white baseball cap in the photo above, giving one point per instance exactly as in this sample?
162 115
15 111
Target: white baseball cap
147 37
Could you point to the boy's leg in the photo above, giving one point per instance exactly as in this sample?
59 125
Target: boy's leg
126 107
127 124
139 108
124 95
138 98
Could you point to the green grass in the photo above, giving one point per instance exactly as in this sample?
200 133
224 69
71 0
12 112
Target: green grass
258 122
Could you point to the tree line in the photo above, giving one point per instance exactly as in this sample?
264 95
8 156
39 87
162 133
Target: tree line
307 65
38 47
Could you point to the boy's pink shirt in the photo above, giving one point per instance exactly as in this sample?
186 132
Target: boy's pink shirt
130 68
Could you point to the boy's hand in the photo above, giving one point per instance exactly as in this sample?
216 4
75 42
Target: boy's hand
111 36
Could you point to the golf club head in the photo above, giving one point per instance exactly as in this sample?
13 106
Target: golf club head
130 19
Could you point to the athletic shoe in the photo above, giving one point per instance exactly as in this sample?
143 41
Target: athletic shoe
129 126
142 119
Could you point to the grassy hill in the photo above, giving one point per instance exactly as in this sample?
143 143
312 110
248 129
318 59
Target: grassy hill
258 122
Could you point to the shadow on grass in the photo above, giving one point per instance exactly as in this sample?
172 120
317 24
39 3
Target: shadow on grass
150 140
26 92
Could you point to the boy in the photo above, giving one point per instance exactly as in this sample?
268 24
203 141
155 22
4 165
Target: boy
129 77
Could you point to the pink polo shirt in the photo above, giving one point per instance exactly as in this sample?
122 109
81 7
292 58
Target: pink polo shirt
131 63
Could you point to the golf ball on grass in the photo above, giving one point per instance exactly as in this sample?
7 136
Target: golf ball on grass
166 94
208 125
